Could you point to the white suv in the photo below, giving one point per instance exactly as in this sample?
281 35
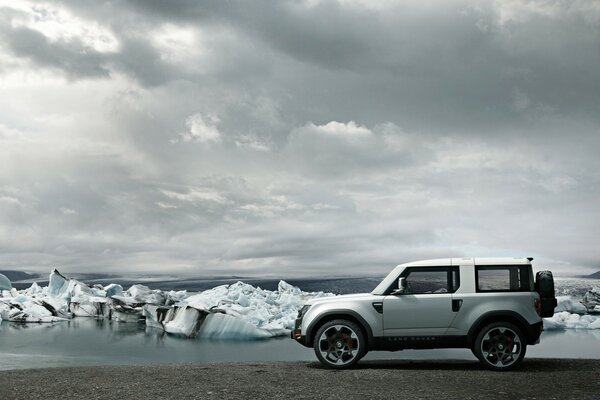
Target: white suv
491 305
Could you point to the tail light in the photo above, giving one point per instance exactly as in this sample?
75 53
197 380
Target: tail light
537 303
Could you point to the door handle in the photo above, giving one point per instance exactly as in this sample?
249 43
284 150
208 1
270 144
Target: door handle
456 304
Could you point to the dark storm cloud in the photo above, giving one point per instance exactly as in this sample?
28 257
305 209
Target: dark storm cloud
454 63
297 137
73 59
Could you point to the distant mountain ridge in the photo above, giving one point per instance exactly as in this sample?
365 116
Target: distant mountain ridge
18 275
595 275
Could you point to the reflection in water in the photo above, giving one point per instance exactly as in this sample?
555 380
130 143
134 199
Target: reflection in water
88 341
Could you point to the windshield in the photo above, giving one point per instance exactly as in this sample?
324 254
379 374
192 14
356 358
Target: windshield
388 280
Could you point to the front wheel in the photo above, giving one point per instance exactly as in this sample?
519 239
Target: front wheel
500 346
339 344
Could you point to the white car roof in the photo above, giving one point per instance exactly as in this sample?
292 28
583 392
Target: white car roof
469 261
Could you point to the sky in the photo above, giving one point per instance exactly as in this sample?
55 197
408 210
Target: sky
297 138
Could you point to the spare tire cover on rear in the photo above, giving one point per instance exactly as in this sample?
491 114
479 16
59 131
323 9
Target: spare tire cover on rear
544 285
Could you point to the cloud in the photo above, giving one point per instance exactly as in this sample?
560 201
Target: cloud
341 149
287 138
201 129
253 142
68 211
197 195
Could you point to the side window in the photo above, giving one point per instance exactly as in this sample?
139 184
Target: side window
503 278
431 280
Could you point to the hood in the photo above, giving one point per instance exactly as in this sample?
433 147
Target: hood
341 298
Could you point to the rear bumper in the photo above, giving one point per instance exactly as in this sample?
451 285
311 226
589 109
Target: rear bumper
533 332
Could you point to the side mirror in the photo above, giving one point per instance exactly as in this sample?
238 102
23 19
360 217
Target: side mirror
401 286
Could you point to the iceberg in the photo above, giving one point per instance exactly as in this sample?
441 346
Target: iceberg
591 300
113 290
30 311
568 303
56 283
223 326
237 311
4 283
180 320
567 320
89 307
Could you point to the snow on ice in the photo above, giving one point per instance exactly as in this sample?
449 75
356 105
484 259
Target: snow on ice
237 311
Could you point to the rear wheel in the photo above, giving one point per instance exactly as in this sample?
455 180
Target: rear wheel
339 344
500 346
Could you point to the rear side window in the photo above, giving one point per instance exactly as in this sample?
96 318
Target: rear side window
424 280
504 278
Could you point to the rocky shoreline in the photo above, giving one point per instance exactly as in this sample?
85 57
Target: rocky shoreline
535 379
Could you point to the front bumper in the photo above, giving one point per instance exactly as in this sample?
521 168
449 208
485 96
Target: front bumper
300 338
297 335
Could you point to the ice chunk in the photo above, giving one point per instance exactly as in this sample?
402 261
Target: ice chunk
113 290
155 315
272 312
567 320
57 283
30 311
243 310
33 289
89 307
174 297
124 311
143 294
182 320
5 283
223 326
186 321
567 303
591 300
551 324
4 310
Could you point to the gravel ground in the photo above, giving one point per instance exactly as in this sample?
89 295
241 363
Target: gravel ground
534 379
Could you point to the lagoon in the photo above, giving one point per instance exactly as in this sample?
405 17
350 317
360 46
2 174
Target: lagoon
88 342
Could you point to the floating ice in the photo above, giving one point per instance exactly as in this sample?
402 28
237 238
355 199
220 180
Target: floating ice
567 320
143 294
84 306
238 311
4 283
272 312
113 290
56 283
181 320
223 326
591 300
568 303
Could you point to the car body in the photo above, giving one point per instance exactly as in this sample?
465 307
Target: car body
443 303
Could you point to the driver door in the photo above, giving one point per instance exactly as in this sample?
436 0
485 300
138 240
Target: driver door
425 307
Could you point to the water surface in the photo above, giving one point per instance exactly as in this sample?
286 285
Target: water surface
87 341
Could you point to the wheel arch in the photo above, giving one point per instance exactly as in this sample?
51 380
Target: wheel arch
339 314
497 316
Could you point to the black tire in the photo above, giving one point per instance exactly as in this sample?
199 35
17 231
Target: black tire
339 344
500 346
544 285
